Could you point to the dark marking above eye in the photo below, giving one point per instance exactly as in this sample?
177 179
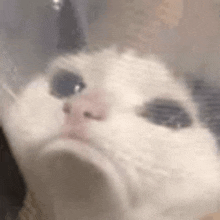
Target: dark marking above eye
65 84
166 112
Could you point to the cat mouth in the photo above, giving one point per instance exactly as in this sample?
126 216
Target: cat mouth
111 168
75 137
79 167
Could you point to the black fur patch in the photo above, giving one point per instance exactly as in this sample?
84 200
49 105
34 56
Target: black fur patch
167 112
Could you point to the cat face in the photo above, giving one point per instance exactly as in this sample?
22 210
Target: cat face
109 135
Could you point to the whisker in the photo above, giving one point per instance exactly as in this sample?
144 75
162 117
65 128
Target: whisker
8 90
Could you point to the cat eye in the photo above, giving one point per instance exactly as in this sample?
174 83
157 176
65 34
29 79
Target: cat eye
65 84
166 112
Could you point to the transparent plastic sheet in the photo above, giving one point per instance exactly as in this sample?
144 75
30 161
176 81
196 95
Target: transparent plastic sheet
29 37
205 93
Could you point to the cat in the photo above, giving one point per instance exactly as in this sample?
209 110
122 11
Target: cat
110 135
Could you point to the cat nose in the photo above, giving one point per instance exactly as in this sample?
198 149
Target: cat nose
86 111
87 107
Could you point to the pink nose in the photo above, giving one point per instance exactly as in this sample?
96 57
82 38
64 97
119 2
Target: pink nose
90 106
82 110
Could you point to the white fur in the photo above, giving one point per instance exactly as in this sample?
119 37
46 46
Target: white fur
147 171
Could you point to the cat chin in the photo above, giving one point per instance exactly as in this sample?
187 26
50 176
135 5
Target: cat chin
82 160
72 171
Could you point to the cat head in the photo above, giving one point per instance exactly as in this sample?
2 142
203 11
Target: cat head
109 131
